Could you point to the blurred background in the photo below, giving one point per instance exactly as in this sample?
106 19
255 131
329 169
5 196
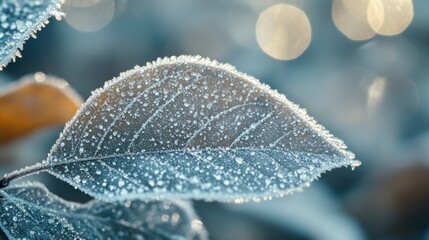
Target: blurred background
360 67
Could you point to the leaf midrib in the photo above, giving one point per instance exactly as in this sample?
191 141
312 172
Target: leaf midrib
50 163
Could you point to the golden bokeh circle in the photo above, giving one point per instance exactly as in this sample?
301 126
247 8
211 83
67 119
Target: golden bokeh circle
390 17
283 31
350 17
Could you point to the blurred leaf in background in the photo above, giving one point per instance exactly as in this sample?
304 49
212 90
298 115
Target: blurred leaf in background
35 102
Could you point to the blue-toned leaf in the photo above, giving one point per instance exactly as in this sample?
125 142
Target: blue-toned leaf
191 128
20 19
29 211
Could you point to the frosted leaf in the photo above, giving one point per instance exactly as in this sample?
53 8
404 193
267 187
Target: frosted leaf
191 128
20 19
29 211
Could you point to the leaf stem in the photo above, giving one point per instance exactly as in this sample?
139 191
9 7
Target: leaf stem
34 169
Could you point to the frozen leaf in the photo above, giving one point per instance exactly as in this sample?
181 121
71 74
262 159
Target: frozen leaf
35 102
29 211
20 19
191 128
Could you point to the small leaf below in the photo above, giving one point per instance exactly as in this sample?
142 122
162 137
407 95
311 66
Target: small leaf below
29 211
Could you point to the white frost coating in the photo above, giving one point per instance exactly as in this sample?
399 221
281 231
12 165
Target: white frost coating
30 211
20 19
192 128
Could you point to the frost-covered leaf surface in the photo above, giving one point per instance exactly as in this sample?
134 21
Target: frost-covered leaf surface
30 212
192 128
20 19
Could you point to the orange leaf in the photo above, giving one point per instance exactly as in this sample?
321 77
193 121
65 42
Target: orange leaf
33 103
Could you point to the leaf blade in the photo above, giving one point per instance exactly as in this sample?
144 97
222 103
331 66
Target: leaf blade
31 203
184 117
176 166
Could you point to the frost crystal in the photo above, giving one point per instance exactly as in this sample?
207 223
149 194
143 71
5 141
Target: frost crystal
29 211
192 128
20 19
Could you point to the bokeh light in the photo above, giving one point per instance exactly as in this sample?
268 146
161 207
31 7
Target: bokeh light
283 31
39 77
390 17
350 17
375 92
89 15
